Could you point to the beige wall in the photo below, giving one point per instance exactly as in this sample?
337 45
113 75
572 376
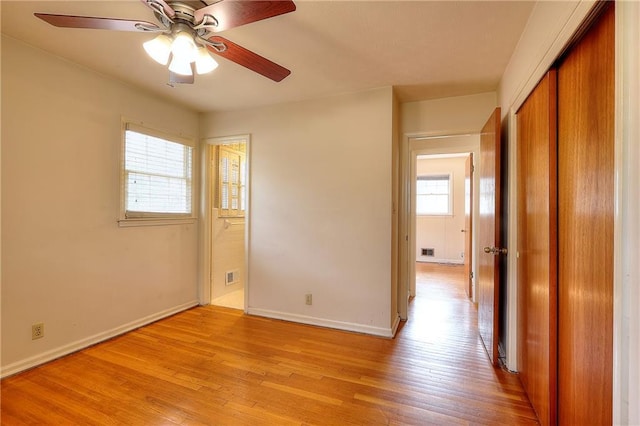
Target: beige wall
65 261
443 232
447 116
320 208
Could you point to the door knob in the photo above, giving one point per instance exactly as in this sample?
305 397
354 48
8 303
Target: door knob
495 250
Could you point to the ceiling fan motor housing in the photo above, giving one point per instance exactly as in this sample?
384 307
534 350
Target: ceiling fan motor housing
184 12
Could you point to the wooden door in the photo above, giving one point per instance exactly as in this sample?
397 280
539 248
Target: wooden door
537 248
488 291
468 226
585 226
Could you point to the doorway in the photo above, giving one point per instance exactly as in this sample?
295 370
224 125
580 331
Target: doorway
441 199
437 148
226 193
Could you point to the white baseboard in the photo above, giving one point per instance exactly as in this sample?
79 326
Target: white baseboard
396 324
61 351
321 322
423 259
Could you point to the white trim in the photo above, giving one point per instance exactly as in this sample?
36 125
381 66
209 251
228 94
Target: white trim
204 258
424 259
61 351
511 333
396 324
626 316
126 223
321 322
404 208
160 134
431 144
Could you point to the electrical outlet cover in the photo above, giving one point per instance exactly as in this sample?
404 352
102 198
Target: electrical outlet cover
37 331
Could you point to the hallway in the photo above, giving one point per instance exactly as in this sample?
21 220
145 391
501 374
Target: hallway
441 299
442 326
212 365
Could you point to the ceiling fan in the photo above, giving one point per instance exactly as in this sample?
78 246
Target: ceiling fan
186 34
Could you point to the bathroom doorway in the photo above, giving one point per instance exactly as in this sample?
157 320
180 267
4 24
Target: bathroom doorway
227 187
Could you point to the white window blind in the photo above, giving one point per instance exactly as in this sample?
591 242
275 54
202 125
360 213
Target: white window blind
157 176
433 195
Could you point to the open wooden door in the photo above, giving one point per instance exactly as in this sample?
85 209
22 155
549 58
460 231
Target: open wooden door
468 209
488 290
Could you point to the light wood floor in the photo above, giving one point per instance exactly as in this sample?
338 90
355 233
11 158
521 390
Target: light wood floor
213 365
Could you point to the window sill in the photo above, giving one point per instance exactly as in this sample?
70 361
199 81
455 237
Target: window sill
155 221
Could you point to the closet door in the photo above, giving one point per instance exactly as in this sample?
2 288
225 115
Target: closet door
537 248
585 227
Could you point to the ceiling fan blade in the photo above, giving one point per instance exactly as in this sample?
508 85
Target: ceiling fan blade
248 59
70 21
231 14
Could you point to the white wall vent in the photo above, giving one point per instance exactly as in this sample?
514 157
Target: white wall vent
231 277
429 252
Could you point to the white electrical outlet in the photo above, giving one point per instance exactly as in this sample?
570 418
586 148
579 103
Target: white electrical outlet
37 331
308 299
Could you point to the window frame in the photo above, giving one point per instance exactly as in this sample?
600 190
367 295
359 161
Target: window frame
125 218
436 176
241 184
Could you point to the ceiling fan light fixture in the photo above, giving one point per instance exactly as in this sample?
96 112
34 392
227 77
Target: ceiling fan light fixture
180 66
159 48
204 62
184 47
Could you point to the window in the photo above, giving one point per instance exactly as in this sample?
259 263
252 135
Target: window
231 180
156 175
433 195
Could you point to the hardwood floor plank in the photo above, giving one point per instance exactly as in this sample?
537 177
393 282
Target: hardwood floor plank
213 365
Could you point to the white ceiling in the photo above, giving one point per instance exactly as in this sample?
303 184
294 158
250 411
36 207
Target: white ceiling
426 49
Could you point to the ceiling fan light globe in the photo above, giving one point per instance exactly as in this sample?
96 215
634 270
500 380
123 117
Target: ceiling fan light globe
204 62
180 66
159 48
184 47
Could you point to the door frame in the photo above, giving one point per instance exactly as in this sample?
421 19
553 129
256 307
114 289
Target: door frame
204 261
427 144
626 291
